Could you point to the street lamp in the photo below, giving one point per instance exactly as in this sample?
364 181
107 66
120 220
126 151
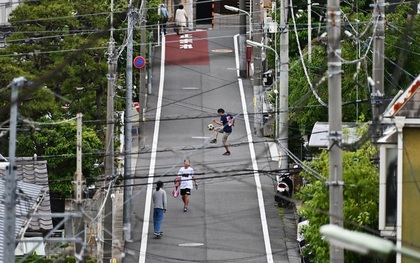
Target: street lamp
235 9
256 44
363 243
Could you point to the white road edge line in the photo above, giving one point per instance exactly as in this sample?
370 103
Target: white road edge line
149 191
263 216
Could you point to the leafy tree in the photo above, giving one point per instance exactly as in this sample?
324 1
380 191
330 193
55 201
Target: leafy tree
308 104
45 47
360 206
50 33
401 56
402 49
57 144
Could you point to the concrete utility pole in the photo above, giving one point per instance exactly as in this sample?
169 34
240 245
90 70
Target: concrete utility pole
258 71
79 225
335 129
242 41
112 68
109 136
378 64
284 85
10 179
309 30
78 180
143 49
128 125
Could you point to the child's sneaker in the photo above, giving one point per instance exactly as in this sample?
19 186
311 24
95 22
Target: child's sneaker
213 141
185 209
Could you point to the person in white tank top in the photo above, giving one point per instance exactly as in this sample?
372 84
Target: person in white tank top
186 176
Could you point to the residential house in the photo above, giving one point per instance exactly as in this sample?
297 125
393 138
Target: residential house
33 197
6 7
400 171
319 135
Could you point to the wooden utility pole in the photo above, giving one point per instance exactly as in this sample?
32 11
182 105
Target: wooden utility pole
335 125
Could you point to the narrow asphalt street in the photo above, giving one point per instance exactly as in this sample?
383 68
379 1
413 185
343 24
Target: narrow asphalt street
233 216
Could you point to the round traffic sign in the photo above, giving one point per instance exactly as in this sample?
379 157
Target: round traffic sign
139 62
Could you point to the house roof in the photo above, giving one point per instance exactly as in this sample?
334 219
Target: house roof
319 135
31 171
407 104
28 196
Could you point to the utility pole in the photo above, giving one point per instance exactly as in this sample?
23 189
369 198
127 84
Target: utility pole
284 85
242 41
258 70
335 126
128 125
10 179
79 224
78 180
378 64
309 30
143 41
109 138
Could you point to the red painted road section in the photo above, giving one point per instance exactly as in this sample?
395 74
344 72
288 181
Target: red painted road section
198 55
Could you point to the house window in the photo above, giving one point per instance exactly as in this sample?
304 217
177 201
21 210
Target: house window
388 189
391 187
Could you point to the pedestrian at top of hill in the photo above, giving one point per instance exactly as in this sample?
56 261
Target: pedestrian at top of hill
159 204
186 176
227 122
163 11
181 19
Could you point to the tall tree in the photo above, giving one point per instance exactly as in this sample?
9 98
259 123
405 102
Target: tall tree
402 47
361 195
46 47
56 143
50 33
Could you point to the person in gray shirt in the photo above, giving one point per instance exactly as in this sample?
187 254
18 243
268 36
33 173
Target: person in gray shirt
159 204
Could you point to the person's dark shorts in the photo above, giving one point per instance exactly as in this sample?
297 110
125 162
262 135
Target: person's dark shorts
186 191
